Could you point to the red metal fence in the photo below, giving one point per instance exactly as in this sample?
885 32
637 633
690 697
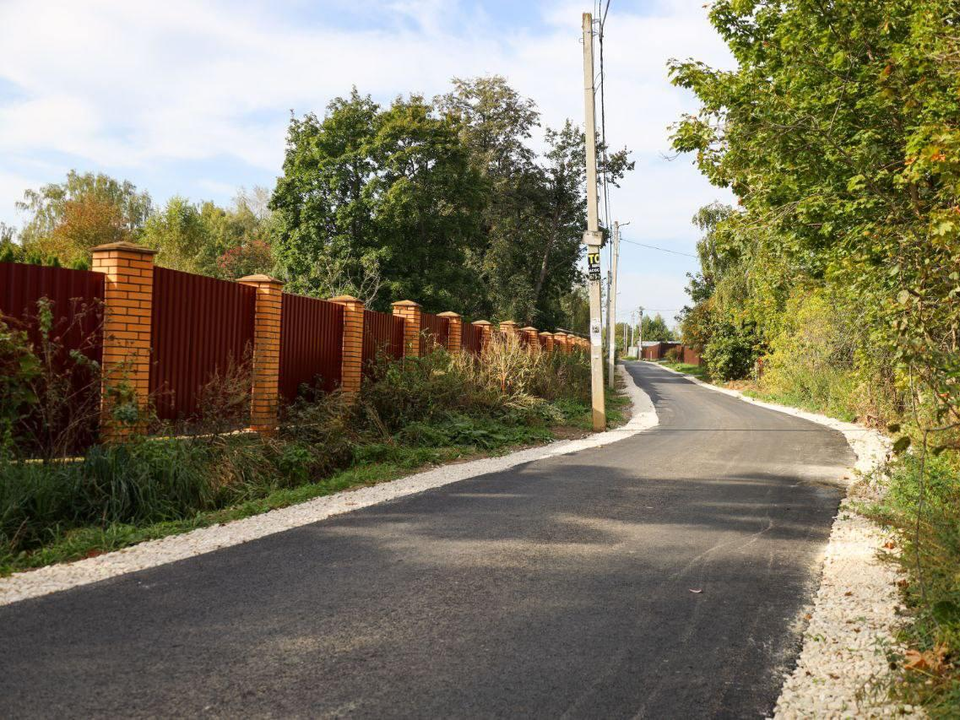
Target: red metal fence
202 328
434 331
76 298
382 334
311 344
472 339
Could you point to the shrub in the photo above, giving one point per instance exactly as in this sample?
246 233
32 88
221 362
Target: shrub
730 353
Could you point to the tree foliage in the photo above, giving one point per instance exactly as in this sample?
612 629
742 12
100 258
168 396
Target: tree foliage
838 134
444 202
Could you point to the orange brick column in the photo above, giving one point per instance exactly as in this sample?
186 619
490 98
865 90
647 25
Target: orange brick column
532 337
509 330
410 312
352 355
127 317
486 332
547 341
560 342
265 395
455 336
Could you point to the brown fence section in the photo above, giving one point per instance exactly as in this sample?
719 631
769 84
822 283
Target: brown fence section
202 328
76 298
311 344
382 333
434 331
472 339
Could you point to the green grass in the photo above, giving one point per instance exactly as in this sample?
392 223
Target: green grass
804 402
418 446
697 371
928 552
88 541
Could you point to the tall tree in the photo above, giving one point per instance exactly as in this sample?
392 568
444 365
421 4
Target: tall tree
66 219
373 197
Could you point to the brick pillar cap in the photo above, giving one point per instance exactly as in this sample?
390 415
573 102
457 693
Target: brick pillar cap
449 314
508 322
546 333
345 299
529 327
406 303
260 279
480 322
125 246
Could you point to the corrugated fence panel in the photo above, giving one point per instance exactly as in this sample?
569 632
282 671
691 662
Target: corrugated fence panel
382 333
201 327
311 344
434 330
76 297
472 339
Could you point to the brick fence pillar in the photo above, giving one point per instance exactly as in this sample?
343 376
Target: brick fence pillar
351 363
410 312
265 395
547 343
455 336
127 319
509 330
560 342
486 332
532 337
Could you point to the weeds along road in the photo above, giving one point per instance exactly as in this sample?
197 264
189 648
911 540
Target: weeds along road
563 587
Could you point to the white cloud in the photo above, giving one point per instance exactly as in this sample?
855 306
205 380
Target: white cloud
130 86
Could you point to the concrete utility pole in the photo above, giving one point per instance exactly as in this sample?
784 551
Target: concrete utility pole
592 236
640 334
612 306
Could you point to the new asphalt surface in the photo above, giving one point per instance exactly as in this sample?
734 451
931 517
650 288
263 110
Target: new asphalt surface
662 576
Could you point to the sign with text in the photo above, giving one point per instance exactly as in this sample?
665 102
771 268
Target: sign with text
593 264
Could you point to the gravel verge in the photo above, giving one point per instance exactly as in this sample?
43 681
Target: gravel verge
55 578
842 669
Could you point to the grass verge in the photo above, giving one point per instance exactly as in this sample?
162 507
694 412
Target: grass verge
153 489
922 504
697 371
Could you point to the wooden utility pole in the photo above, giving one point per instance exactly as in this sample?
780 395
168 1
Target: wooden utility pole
612 307
592 237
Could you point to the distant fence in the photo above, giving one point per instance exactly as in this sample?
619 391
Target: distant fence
658 351
202 329
311 343
382 335
434 332
169 334
472 339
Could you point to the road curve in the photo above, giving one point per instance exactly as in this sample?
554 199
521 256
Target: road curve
560 588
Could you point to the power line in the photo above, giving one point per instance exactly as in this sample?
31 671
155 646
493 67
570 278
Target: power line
661 249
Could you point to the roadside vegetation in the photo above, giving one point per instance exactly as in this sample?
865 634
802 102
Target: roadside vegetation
408 415
833 282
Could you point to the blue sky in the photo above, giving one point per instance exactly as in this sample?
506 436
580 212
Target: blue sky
192 98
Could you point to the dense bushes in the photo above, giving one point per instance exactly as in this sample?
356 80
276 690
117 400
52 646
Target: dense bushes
407 414
923 505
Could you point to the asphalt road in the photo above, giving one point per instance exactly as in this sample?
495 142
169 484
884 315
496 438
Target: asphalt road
558 588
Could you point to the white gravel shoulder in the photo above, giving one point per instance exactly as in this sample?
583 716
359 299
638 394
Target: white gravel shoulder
55 578
842 667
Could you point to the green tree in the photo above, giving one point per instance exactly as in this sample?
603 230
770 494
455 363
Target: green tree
656 329
66 219
375 197
837 133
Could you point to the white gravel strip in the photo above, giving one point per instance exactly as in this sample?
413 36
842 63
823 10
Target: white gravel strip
55 578
842 668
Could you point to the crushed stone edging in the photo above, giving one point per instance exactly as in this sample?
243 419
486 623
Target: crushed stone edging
152 553
843 665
